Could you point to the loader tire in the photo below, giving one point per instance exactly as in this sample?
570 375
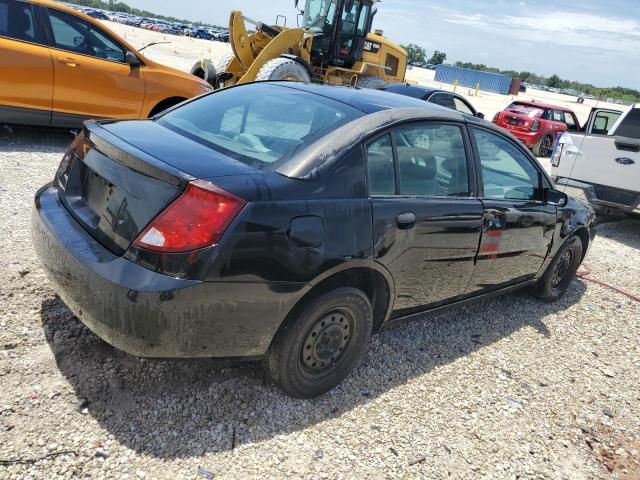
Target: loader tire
370 81
283 69
223 63
204 69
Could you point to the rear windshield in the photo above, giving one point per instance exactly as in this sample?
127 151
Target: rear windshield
528 110
262 125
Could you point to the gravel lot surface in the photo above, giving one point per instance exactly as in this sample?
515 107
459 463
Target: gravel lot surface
508 388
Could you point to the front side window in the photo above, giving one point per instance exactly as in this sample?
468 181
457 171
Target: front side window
432 161
319 15
443 99
603 122
16 21
76 35
261 125
568 119
461 106
380 168
507 173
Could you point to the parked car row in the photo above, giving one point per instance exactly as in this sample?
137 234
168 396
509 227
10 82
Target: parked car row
156 25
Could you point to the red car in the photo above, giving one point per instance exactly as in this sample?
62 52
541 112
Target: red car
536 124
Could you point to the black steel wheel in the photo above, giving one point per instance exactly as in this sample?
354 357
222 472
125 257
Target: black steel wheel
561 271
321 342
323 348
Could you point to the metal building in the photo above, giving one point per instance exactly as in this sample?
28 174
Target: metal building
489 82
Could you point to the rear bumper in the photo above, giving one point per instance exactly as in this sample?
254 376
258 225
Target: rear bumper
601 197
528 138
146 313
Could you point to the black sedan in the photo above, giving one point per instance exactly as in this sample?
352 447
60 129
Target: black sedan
288 222
439 97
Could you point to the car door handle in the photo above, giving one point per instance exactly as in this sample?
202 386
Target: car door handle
494 220
406 220
69 61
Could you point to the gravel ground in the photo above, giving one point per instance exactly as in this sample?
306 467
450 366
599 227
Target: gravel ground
508 388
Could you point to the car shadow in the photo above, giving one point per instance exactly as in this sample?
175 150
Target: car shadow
18 138
178 409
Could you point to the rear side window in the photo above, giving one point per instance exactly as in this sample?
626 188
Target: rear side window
432 161
630 125
16 21
380 167
261 125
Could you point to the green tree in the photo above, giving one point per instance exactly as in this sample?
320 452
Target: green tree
554 81
415 53
438 58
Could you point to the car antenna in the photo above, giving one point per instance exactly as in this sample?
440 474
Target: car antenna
151 45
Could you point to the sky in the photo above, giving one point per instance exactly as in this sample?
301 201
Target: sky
591 41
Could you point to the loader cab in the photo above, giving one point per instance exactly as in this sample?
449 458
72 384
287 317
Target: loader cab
339 29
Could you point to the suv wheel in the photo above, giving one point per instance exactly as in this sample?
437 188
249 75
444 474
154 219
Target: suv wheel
320 345
561 272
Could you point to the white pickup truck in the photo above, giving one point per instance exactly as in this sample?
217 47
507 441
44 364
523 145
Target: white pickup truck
602 164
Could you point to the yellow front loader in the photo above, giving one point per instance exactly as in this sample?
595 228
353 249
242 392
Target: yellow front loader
334 45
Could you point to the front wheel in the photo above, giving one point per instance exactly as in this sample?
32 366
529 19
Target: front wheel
560 272
321 344
283 69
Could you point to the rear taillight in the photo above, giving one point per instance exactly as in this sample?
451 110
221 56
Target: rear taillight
495 117
196 219
535 126
557 152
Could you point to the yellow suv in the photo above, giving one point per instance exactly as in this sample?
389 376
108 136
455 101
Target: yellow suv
60 67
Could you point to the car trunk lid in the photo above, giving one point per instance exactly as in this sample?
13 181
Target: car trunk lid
112 189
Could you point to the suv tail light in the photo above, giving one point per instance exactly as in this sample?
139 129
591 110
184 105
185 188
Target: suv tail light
557 152
535 126
196 219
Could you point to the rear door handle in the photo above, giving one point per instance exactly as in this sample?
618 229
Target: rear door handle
69 61
406 220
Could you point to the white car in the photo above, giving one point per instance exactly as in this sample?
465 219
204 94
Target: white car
602 164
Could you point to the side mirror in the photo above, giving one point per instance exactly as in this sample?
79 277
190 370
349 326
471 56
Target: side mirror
480 115
556 197
131 59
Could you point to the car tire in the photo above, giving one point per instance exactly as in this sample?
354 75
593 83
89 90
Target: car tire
321 343
543 147
370 81
204 69
283 69
560 272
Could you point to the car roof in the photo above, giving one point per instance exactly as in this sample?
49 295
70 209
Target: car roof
411 89
533 103
366 100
